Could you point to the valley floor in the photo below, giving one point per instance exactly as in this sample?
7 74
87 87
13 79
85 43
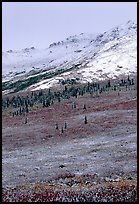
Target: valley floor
85 157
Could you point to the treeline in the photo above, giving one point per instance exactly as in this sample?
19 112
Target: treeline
23 104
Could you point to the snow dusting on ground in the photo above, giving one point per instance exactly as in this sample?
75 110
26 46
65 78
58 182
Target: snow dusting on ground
100 56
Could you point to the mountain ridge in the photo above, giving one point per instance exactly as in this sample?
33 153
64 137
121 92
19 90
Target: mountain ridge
91 54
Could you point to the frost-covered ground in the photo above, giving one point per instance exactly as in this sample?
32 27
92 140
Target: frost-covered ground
103 154
96 161
106 145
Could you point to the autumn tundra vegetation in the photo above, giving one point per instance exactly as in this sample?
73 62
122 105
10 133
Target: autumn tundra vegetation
79 123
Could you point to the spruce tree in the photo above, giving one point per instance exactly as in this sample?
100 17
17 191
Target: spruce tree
65 125
85 121
62 130
84 107
74 105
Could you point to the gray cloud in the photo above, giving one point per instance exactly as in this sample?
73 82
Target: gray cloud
26 24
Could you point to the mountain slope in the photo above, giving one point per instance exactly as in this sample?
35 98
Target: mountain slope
85 57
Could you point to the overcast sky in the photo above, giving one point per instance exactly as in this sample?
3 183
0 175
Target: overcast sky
38 24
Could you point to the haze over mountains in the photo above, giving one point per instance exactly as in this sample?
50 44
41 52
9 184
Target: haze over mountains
85 57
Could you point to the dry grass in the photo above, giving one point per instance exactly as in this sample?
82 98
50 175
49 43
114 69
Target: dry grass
107 143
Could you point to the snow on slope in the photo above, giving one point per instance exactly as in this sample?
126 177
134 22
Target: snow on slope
56 55
101 56
112 60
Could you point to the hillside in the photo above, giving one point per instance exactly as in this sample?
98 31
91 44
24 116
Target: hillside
69 120
83 58
46 160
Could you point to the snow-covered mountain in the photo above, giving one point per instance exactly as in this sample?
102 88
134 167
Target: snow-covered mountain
85 56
